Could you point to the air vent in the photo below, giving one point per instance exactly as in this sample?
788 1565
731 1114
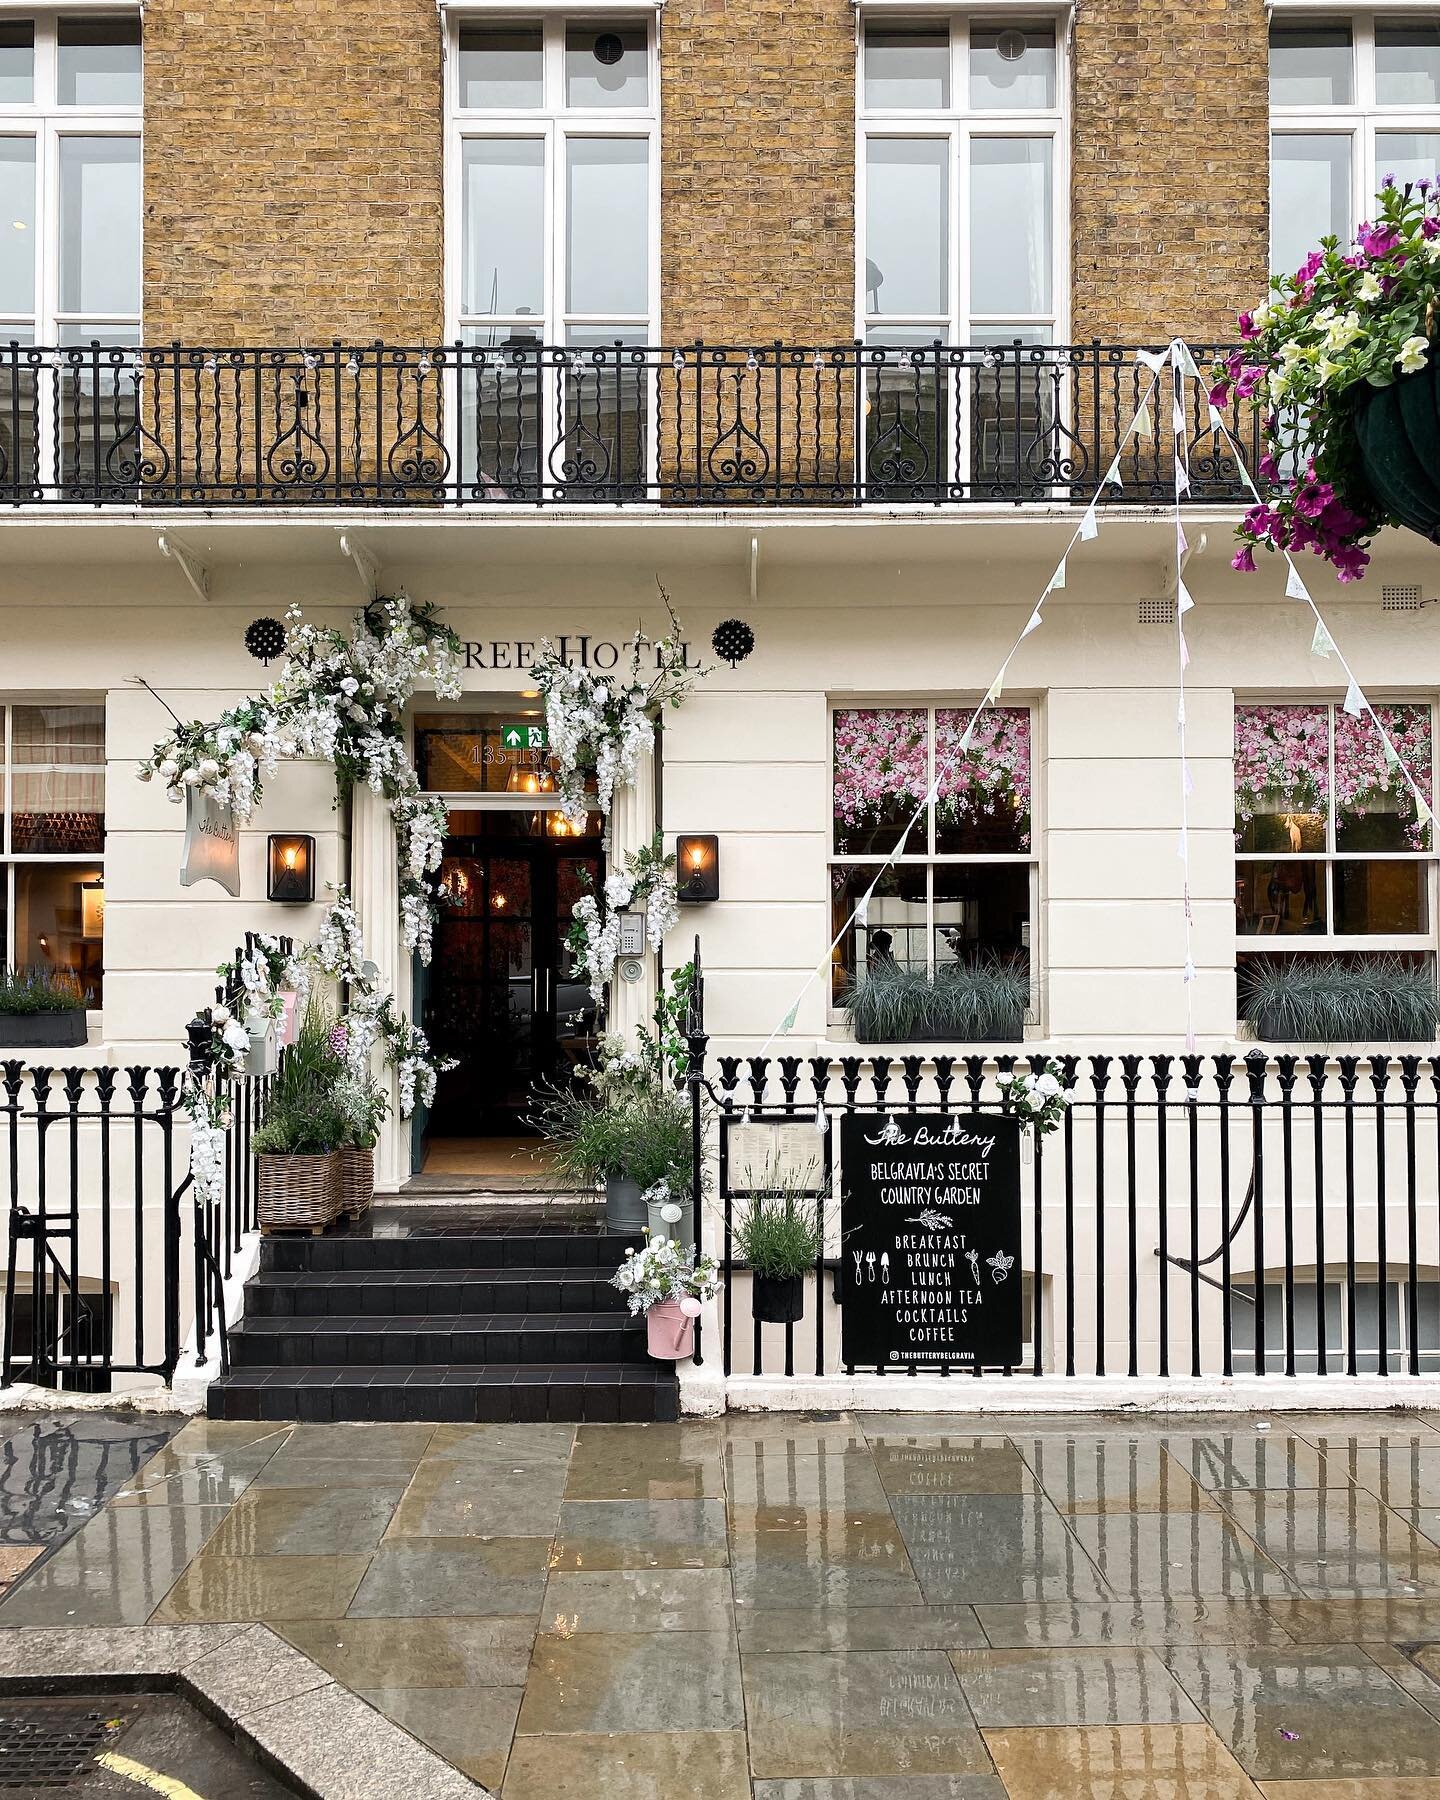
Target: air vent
1400 599
1155 612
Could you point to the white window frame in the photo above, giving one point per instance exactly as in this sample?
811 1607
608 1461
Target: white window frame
554 123
1333 942
928 856
11 860
48 123
1364 118
1337 1354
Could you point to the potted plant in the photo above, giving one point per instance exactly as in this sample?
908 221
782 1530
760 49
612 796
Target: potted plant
780 1234
363 1104
41 1009
1333 1000
980 1003
301 1130
1338 365
626 1137
667 1215
667 1282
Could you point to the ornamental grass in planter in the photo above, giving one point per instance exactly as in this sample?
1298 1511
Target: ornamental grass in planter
627 1137
41 1009
779 1234
962 1004
302 1128
364 1106
1325 1000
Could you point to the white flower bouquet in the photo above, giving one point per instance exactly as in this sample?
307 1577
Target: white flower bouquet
1038 1101
665 1270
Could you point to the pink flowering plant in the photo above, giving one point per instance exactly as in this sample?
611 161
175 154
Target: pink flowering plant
1282 762
1351 318
881 774
1368 787
985 791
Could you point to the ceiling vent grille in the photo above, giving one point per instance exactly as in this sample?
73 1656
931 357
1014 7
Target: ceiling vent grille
1156 612
1400 599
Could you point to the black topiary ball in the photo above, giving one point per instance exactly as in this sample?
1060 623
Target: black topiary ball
733 639
264 638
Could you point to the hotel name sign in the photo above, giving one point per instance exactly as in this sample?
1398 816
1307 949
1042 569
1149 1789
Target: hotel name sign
515 655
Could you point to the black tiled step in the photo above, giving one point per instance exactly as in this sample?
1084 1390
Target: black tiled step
409 1340
299 1293
513 1250
596 1393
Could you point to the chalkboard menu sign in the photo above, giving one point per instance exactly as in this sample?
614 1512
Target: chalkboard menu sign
930 1216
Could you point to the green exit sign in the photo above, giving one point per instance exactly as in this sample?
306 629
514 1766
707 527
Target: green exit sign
523 737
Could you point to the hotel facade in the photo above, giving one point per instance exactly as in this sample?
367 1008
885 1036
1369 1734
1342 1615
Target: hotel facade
823 317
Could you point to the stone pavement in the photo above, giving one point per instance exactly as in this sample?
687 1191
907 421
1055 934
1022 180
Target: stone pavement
867 1607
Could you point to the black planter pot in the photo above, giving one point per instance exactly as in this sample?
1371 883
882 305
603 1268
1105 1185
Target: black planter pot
44 1030
1397 432
777 1299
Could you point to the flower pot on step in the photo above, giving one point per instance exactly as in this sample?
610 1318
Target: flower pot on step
625 1209
357 1181
298 1192
671 1334
777 1299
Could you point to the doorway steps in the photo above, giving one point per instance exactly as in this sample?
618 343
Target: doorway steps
464 1322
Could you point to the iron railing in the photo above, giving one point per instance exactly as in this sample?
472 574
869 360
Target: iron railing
1195 1215
520 423
111 1252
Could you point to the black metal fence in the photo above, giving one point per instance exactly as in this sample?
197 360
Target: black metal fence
112 1253
524 423
1194 1215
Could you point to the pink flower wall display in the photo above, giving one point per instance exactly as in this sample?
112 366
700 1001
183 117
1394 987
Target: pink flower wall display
984 792
881 774
1365 782
1282 762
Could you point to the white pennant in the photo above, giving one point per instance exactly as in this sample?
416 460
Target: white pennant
1182 479
1057 580
1177 418
1153 359
1217 422
1182 543
1295 588
1180 713
1354 699
1321 644
1422 809
995 690
1182 848
1186 602
1187 782
1391 754
1183 360
1112 474
1184 652
1033 623
1189 970
862 909
1088 526
788 1022
1143 426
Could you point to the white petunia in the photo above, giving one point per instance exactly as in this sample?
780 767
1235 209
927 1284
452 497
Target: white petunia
1368 288
1412 355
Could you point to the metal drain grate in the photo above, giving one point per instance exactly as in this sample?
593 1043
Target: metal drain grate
48 1746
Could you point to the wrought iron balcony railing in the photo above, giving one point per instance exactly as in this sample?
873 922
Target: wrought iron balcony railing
525 424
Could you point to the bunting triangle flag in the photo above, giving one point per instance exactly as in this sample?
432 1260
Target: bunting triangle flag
1143 425
1057 580
1422 809
788 1022
1295 588
1186 602
1182 543
1184 652
1180 713
1182 479
1322 644
1389 752
1153 359
1182 848
1354 699
1177 418
862 909
1184 361
1217 419
1189 970
1112 474
1089 528
1033 623
995 690
1187 780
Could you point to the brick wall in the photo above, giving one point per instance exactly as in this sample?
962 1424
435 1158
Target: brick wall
758 170
1170 160
293 171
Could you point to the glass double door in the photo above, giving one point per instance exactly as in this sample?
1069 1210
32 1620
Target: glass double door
504 996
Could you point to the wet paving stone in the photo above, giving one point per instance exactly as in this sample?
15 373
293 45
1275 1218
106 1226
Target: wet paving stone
990 1548
1070 1687
1118 1762
453 1577
627 1681
629 1600
646 1462
1183 1620
114 1571
469 1726
1334 1543
630 1765
641 1534
1155 1555
859 1628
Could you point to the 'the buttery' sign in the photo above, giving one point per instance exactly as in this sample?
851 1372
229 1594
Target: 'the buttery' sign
930 1217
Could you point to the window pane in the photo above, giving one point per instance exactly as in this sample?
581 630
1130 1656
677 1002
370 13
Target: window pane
1285 898
1014 397
98 62
503 183
17 62
1011 203
907 225
1427 1324
608 209
1282 777
57 736
982 915
57 783
1381 898
1366 1324
893 936
1407 62
606 65
1310 65
1309 194
881 774
907 412
605 411
460 754
55 926
100 224
1407 155
501 66
17 225
1374 808
907 66
983 795
1012 66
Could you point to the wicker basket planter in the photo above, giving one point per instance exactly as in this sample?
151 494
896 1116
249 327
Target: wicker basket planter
357 1181
298 1192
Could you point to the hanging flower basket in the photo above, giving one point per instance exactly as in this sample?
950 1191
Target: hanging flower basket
1397 431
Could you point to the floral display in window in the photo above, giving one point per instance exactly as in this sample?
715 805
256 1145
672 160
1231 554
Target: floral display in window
1374 807
983 795
1282 777
881 774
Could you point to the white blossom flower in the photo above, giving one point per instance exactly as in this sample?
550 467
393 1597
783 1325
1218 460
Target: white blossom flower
1412 355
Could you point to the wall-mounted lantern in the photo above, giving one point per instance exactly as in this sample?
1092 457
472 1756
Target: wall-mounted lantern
697 867
291 868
